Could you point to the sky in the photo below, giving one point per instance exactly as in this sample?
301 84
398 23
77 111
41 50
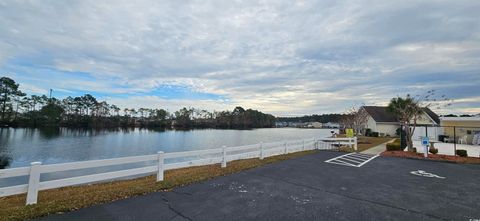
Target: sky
283 57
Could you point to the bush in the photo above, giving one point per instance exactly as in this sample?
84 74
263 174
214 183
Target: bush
368 131
462 153
394 146
374 134
345 149
398 131
433 150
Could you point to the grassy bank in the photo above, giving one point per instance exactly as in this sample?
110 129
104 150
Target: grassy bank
73 198
365 143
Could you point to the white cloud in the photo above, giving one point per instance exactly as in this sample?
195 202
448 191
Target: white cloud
170 105
283 57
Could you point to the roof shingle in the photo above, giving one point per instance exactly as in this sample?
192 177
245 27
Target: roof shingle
380 114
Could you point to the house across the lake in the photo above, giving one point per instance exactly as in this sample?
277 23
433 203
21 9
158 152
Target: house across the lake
386 123
331 125
313 125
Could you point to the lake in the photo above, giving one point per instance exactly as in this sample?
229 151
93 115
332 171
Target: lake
19 147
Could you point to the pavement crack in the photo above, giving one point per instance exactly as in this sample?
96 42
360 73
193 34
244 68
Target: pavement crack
167 202
351 197
182 193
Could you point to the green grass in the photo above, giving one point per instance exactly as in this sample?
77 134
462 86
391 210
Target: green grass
73 198
365 143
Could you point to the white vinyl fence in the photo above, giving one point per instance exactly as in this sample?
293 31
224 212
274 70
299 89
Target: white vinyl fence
202 157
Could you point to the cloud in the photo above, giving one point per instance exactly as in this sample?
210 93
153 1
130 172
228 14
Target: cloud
283 57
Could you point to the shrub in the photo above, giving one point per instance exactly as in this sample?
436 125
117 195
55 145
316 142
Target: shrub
345 149
394 146
368 131
433 150
398 131
374 134
462 153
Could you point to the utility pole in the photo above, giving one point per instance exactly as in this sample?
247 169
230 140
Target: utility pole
51 91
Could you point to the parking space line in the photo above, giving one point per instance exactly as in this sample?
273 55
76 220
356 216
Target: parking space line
343 164
359 157
352 159
339 157
363 155
368 160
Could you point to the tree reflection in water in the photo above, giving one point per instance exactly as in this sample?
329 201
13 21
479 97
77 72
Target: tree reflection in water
4 161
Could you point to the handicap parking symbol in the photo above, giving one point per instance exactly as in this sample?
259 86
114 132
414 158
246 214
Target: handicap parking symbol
426 174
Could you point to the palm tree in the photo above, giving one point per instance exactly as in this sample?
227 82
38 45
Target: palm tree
133 112
8 88
115 109
407 111
142 111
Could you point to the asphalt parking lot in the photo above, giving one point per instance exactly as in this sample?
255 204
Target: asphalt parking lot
307 188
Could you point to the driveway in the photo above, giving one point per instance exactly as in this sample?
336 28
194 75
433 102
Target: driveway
307 188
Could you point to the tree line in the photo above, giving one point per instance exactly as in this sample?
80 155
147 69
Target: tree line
324 118
19 110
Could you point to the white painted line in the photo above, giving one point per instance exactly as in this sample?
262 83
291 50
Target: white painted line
363 155
356 158
338 157
360 157
426 174
333 162
368 160
353 160
348 163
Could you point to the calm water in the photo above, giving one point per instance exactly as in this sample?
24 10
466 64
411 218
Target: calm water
19 147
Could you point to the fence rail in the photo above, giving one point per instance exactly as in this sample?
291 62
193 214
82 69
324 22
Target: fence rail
222 155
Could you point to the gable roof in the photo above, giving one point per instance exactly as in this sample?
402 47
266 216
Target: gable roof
432 115
380 114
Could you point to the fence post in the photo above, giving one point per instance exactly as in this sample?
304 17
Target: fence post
161 162
454 141
261 151
33 183
355 145
224 161
286 148
303 147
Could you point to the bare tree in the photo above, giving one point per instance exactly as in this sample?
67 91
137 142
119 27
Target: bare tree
356 118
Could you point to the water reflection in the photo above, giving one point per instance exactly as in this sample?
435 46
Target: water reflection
49 132
4 161
19 147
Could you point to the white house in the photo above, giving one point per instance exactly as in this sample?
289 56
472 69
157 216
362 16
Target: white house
386 124
331 125
314 125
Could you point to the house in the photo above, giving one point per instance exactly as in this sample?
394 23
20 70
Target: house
314 125
281 124
331 125
380 120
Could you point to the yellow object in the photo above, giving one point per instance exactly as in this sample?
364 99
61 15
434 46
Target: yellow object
349 132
